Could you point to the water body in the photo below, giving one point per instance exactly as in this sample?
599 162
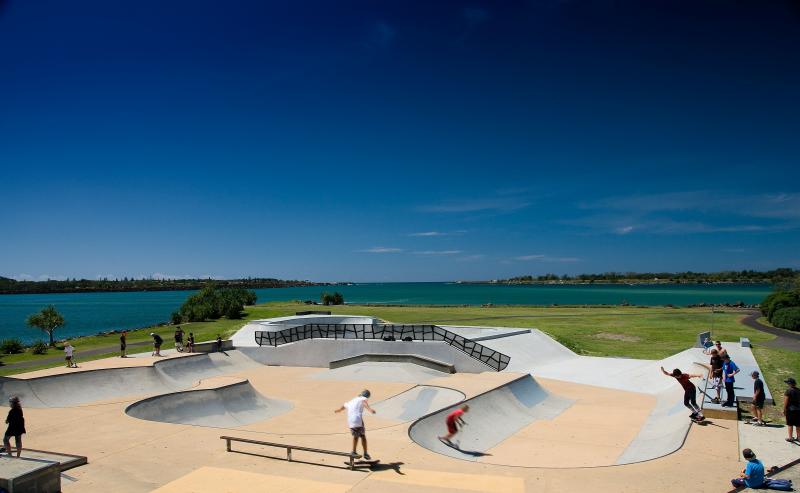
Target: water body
89 313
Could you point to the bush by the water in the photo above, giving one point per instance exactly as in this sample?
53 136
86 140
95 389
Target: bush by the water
11 346
39 347
212 303
778 300
332 298
787 318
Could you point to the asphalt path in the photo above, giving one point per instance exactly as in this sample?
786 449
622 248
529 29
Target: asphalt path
785 339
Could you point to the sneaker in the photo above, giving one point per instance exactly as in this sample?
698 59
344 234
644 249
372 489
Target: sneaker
367 457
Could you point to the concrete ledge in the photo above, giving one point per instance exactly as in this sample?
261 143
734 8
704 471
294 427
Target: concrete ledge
395 358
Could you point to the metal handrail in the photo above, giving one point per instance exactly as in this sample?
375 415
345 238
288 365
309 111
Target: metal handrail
388 332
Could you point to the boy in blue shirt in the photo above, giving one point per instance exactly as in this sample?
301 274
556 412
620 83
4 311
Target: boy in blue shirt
729 370
752 476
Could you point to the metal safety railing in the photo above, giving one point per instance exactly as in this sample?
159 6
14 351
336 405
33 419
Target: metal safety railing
386 332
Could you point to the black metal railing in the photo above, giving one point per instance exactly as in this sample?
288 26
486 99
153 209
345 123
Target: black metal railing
387 332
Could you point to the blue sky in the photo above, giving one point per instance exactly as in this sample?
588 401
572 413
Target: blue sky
397 141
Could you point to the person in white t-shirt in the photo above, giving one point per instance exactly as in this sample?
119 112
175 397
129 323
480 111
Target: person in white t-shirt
355 421
68 349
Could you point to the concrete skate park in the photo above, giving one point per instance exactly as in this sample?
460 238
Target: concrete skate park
541 417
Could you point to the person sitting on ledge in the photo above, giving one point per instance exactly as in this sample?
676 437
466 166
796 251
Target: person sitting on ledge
752 476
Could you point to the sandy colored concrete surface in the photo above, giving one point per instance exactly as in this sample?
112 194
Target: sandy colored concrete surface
217 480
593 431
99 364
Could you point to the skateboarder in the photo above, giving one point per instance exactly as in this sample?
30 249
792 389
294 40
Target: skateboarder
758 400
190 342
729 371
689 391
791 409
16 426
454 421
157 342
68 351
355 421
179 339
123 345
752 476
716 374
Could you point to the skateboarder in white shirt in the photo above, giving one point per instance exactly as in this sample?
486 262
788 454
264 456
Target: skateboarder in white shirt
355 408
68 349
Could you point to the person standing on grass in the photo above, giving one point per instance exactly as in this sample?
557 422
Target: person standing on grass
16 426
157 342
68 352
758 399
716 374
454 421
689 391
123 345
729 371
791 409
752 476
190 342
179 339
355 419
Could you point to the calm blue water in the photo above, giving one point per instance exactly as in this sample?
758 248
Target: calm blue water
89 313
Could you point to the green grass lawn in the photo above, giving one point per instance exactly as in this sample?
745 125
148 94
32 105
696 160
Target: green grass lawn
646 333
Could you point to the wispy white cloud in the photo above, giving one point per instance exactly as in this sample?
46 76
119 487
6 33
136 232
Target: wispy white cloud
498 204
437 252
546 258
380 249
471 258
623 230
429 234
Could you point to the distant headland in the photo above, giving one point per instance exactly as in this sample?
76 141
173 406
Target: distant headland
775 276
12 286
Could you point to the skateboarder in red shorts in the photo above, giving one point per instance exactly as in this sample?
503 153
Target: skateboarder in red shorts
453 421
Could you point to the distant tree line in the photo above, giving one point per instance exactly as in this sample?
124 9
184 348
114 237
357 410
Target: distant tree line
775 276
213 302
782 306
12 286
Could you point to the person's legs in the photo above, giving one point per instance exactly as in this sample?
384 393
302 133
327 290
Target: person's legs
7 444
18 440
737 483
364 445
730 395
355 443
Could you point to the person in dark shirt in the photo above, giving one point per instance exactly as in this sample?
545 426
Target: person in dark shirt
179 339
716 374
758 400
157 342
123 345
190 342
689 391
219 343
791 409
16 426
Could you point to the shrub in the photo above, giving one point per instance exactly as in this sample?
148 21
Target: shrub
787 318
11 346
781 300
176 318
331 298
39 347
211 303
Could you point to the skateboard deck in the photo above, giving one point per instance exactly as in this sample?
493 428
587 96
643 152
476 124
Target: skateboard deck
363 463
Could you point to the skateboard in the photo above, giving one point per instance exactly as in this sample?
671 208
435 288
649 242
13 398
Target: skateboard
449 444
698 419
363 462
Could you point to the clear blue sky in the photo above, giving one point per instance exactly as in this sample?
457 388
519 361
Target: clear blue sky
395 141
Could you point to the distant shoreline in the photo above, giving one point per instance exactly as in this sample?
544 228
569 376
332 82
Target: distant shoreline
628 282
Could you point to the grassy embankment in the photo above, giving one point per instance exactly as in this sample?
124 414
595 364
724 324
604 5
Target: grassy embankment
647 333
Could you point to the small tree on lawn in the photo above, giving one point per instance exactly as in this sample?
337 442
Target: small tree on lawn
47 320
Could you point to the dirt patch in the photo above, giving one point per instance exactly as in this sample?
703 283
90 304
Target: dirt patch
617 337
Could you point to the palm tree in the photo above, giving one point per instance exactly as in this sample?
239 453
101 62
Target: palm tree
47 320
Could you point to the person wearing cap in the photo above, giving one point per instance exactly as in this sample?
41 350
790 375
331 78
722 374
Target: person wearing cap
355 420
689 391
68 352
758 400
729 371
157 341
791 409
752 475
16 426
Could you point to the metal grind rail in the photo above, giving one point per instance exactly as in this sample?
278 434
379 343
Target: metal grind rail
350 456
386 332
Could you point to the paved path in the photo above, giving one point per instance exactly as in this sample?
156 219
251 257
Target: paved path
784 340
78 355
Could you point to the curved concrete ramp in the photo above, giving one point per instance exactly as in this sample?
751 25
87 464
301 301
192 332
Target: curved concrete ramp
82 387
417 402
227 406
493 417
